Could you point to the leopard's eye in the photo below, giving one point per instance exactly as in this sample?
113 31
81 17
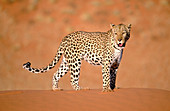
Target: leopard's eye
115 33
123 33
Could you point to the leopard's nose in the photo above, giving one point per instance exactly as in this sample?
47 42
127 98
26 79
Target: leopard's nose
119 40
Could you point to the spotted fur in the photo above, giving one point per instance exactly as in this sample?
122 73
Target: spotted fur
97 48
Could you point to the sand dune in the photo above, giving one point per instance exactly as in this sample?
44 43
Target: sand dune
88 100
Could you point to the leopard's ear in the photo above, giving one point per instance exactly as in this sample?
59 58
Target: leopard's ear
112 25
129 26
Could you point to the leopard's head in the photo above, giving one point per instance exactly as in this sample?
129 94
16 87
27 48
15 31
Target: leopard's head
121 34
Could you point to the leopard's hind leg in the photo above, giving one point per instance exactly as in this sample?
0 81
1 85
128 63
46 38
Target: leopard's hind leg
63 69
75 73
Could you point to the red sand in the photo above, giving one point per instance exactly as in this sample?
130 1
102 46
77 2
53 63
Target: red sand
87 100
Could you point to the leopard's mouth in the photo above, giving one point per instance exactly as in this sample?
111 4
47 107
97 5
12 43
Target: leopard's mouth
121 44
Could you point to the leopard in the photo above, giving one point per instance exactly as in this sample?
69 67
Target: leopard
97 48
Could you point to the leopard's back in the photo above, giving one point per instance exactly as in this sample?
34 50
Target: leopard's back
85 45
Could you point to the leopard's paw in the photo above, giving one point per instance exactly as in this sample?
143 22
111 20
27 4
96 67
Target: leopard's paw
107 90
57 89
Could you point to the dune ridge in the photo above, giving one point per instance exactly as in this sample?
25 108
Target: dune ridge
128 99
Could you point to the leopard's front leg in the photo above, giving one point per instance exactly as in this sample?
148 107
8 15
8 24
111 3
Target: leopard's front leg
106 77
113 72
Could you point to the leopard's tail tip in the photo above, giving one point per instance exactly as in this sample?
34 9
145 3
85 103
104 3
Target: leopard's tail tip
27 65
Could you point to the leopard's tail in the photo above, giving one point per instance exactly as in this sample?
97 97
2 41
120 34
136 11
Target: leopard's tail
28 67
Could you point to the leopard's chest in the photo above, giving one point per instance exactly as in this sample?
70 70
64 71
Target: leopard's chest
117 56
